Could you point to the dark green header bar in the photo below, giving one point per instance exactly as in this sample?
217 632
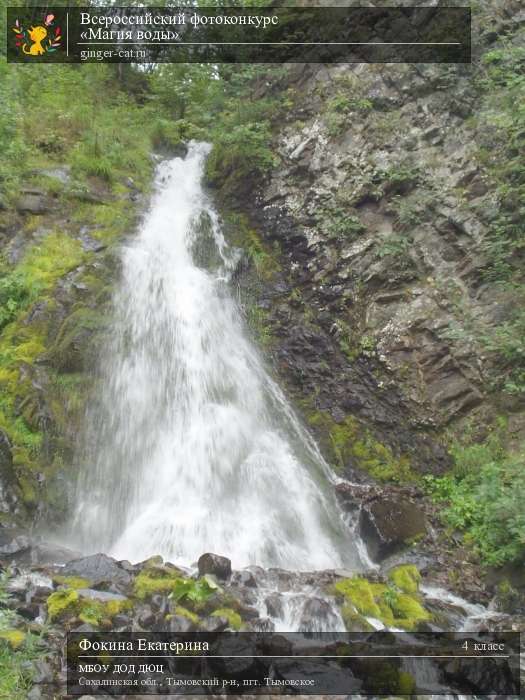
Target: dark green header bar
239 35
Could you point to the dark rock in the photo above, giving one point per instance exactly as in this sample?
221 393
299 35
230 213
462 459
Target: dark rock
29 612
33 203
146 618
244 578
221 567
262 624
121 621
388 525
160 603
315 615
6 457
214 624
274 605
7 495
180 623
12 543
98 568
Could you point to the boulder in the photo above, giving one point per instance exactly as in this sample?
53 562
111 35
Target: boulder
389 524
98 568
317 615
213 624
100 596
221 567
33 203
12 543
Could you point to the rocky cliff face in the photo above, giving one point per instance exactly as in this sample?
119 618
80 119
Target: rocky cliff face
58 244
380 215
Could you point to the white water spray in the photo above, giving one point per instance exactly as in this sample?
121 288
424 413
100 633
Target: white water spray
193 447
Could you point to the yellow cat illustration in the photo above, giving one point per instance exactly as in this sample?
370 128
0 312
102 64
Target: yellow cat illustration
37 36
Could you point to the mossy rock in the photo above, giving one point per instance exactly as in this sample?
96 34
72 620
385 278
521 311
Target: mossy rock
406 577
15 638
74 346
408 611
155 579
348 443
359 592
393 608
74 582
234 619
62 603
100 613
69 603
188 614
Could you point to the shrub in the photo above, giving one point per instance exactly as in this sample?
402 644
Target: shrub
484 500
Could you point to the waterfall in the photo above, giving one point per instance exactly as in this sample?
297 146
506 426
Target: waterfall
191 446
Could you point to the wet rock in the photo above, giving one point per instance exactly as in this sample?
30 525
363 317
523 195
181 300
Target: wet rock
49 553
262 624
388 525
244 578
274 605
98 569
209 563
447 615
316 616
13 543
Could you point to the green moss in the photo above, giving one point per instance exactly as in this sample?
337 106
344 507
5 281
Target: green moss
74 338
188 614
354 622
68 602
406 578
74 582
97 613
406 683
394 609
234 619
62 603
48 261
408 611
348 442
155 580
15 638
265 259
360 593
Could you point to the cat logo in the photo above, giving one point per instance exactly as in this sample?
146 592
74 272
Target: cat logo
39 39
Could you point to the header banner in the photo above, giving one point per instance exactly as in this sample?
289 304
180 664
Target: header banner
238 35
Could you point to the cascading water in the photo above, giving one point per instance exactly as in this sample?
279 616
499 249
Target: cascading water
193 447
